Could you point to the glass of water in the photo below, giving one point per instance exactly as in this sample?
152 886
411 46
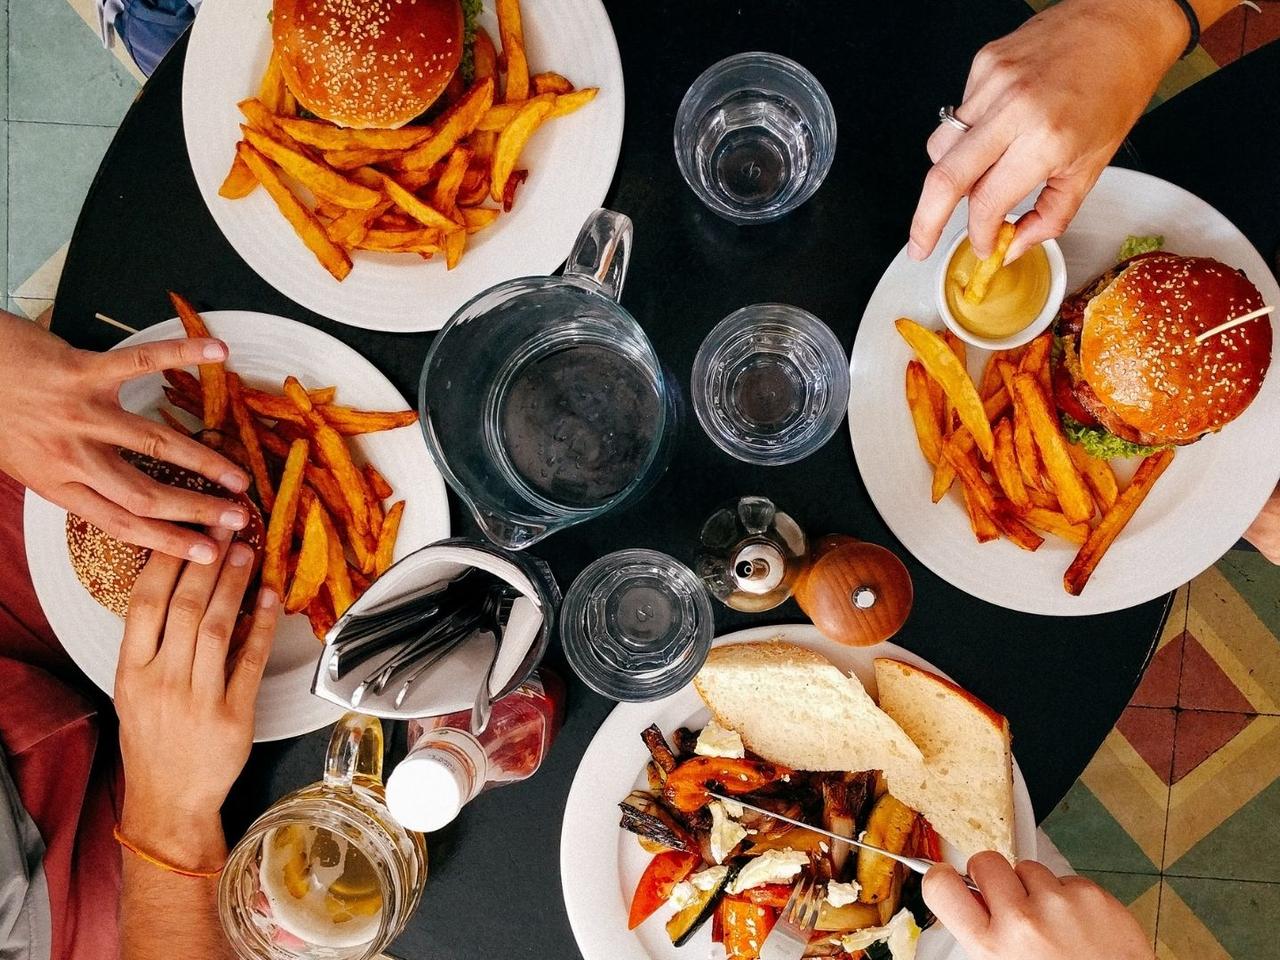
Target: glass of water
636 625
755 136
770 384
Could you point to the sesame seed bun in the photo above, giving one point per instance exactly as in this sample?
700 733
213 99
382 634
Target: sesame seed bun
367 63
1139 355
108 567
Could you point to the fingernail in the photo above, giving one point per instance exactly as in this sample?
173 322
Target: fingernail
915 251
216 350
241 555
234 519
201 553
267 598
234 481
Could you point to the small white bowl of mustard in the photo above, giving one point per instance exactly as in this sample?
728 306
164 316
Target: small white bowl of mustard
1022 299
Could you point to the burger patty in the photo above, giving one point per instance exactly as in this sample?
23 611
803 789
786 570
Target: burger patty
1072 393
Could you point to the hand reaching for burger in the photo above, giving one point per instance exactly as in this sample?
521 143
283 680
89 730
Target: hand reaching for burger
65 428
1049 103
1025 911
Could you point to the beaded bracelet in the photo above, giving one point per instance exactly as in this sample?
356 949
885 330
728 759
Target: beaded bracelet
1193 22
157 862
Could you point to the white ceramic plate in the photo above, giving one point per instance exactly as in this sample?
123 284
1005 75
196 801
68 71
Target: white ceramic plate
1195 512
600 863
571 161
264 349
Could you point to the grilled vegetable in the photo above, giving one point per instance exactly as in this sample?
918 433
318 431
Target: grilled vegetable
683 925
656 883
746 924
889 827
766 826
686 742
659 749
654 777
687 785
648 819
893 900
852 916
792 838
838 817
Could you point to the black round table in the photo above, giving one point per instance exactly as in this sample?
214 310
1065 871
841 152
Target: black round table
494 888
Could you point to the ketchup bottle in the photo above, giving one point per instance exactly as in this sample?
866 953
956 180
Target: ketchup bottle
448 766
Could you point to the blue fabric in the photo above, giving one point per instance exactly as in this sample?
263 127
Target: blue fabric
148 28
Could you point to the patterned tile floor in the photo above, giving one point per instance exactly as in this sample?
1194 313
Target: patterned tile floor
1176 814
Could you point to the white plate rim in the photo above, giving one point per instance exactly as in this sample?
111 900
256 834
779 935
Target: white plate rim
590 840
43 522
571 161
1173 553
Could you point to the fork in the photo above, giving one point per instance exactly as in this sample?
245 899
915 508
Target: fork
790 935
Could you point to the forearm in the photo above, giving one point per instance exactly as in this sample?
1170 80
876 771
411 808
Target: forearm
164 914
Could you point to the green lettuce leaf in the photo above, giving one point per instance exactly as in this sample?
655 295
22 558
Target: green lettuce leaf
1133 246
1101 443
470 11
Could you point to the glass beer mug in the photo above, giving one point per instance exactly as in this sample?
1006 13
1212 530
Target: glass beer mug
326 873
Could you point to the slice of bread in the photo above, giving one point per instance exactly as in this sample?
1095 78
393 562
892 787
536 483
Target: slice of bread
793 706
969 793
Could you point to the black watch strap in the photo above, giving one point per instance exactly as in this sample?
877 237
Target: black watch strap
1193 22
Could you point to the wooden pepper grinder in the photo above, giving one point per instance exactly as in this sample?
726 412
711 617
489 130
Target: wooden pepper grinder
856 593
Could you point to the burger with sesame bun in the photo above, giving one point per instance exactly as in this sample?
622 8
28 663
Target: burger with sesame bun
107 567
372 63
1128 374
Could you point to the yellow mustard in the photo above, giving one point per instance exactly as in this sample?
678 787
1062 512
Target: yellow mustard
1016 295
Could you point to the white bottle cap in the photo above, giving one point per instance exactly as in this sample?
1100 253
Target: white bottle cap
429 787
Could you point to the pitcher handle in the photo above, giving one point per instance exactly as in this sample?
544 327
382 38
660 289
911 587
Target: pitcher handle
600 254
355 750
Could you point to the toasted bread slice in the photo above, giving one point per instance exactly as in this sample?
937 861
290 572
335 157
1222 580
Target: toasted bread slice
793 706
968 796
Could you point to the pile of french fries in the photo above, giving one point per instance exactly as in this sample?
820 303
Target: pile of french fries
1002 438
419 189
328 533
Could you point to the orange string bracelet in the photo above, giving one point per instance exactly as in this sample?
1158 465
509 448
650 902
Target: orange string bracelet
157 862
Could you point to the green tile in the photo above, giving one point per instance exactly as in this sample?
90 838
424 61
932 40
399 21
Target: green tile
58 69
1090 838
1258 581
4 59
50 168
1242 916
1125 887
1245 846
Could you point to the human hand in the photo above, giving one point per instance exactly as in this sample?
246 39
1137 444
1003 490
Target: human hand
1031 913
1051 102
64 427
1264 532
185 699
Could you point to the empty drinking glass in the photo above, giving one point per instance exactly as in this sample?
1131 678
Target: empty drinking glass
770 384
636 625
755 137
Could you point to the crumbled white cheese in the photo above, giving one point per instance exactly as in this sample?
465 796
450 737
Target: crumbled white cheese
772 866
717 741
842 894
733 808
682 895
709 878
726 833
900 933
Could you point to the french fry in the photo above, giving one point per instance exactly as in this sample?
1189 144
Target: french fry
326 488
387 539
377 482
360 157
331 256
334 455
456 123
321 617
350 422
184 403
975 291
173 423
500 115
269 405
1068 485
942 365
325 136
280 526
350 228
213 376
325 183
509 191
511 142
337 578
511 33
928 429
477 218
958 348
484 56
445 195
1052 521
567 103
1005 466
400 241
185 383
1000 510
419 209
1035 359
376 515
961 440
252 445
1041 499
550 82
313 562
1099 476
239 182
984 528
990 381
455 241
267 122
1115 520
272 90
1023 443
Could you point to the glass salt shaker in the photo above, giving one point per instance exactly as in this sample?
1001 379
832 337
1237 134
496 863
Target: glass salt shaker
448 766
